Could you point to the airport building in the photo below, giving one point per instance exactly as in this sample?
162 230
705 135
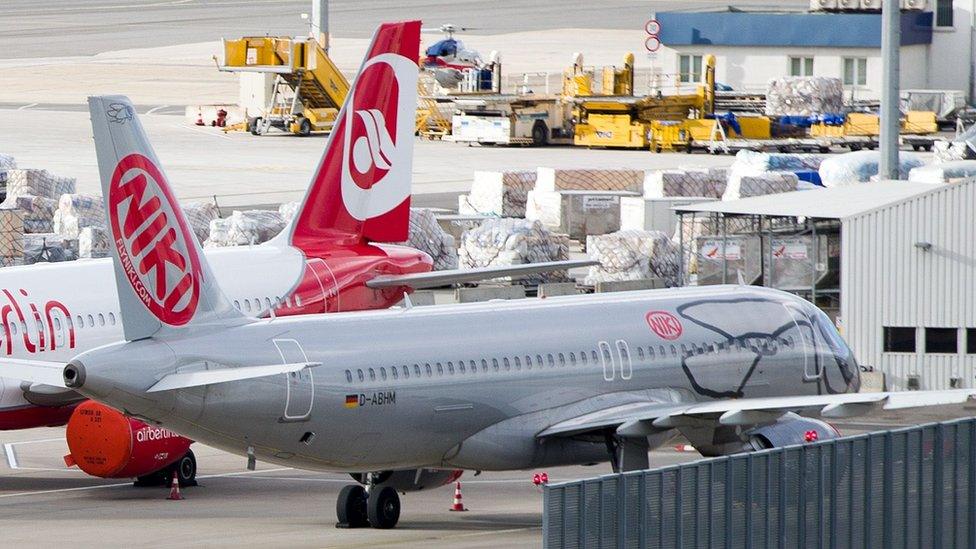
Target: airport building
753 47
895 268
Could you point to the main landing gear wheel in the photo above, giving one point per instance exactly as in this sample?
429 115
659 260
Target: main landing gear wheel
351 507
383 508
186 473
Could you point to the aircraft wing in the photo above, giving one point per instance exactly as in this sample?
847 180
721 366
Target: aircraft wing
184 380
35 371
641 419
434 279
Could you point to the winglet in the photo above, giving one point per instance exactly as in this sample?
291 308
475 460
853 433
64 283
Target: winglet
163 278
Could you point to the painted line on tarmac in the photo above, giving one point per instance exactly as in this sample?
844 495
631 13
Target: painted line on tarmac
154 109
204 132
116 485
8 449
463 482
28 106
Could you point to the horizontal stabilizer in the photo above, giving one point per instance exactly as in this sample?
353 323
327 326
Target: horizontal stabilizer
436 279
35 371
185 380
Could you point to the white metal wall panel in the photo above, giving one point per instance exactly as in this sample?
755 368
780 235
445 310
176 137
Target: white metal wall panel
887 281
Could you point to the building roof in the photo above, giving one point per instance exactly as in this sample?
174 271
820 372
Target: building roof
833 203
771 29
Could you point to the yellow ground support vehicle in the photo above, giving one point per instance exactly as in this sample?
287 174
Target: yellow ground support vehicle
308 89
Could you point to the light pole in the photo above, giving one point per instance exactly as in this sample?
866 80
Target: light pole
890 74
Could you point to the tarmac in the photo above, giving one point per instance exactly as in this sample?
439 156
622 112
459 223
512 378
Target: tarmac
44 504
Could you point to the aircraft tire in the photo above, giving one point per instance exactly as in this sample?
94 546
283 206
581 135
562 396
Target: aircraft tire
186 469
351 507
383 508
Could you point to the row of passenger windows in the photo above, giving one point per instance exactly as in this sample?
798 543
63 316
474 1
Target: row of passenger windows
258 304
550 360
109 319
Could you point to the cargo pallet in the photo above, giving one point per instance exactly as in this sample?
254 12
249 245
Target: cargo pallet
784 145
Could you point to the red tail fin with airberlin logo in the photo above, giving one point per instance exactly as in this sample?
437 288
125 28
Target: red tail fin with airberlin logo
361 189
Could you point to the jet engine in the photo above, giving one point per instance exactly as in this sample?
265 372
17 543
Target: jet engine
413 480
789 430
105 443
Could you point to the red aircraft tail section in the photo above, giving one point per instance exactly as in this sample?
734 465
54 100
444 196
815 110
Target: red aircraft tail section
361 189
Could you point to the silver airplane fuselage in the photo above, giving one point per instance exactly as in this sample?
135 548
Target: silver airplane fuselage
471 386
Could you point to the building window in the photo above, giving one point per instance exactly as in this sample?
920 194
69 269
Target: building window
943 13
971 341
941 340
899 340
855 71
689 68
801 66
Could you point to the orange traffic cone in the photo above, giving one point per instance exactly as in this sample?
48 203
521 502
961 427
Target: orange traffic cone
458 506
174 491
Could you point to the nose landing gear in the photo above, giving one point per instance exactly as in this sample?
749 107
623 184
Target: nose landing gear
372 505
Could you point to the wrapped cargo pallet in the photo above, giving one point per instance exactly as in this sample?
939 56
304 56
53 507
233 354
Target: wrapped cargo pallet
947 151
49 248
289 210
760 184
859 167
200 214
38 183
633 255
245 227
550 179
77 211
804 96
576 213
946 172
7 163
758 162
427 236
502 194
506 241
685 182
11 237
38 212
93 243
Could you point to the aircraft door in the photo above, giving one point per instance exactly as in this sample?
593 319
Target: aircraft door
807 344
327 282
299 386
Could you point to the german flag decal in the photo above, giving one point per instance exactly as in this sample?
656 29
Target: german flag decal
352 401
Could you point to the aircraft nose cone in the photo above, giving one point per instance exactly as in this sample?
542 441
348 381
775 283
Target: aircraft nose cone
74 375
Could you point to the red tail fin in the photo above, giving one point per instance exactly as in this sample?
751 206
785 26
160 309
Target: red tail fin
361 189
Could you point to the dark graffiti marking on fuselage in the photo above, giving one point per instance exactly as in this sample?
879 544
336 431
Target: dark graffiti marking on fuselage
761 344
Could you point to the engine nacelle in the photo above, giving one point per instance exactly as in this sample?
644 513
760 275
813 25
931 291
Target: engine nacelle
789 430
105 443
414 479
722 440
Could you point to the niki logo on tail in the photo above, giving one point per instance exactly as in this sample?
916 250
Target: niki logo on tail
153 241
377 129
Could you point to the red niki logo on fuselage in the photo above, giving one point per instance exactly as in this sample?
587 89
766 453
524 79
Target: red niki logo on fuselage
153 241
664 324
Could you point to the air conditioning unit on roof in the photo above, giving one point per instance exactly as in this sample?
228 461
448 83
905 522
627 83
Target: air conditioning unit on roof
870 4
817 5
849 4
913 4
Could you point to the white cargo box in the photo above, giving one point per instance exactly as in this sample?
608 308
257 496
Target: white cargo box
577 213
481 129
653 214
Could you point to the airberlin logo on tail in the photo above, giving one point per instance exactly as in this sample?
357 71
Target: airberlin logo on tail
664 324
377 140
153 241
